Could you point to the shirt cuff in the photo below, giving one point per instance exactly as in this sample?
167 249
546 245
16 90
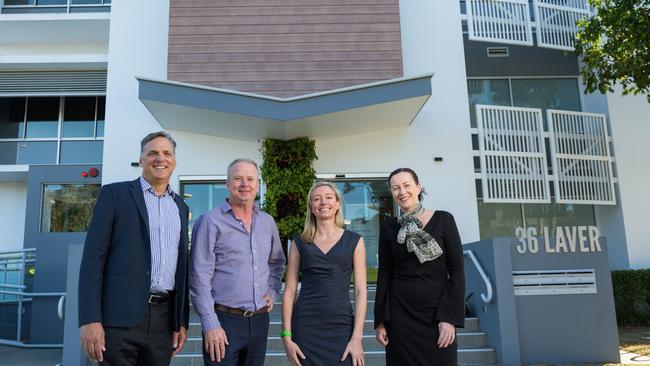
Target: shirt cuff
272 294
210 322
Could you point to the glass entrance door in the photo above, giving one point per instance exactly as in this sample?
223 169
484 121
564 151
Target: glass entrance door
202 196
366 204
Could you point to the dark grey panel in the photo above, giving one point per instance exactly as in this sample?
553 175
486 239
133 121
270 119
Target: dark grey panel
8 152
37 152
51 248
81 152
523 61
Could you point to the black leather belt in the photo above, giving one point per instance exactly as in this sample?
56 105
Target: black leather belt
160 297
241 312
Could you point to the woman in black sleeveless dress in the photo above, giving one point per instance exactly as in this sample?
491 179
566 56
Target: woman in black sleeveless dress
420 284
319 329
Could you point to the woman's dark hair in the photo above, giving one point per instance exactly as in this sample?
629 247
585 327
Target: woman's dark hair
413 175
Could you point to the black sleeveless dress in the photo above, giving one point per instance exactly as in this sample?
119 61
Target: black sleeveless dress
322 319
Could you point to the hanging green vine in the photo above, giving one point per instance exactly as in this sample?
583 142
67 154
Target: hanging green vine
288 173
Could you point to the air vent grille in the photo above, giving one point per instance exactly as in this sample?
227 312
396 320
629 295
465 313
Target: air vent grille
498 52
74 82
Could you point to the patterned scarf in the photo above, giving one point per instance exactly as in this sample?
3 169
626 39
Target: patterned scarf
417 240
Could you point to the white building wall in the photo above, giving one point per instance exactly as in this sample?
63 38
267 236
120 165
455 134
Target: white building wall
630 125
13 196
137 47
440 130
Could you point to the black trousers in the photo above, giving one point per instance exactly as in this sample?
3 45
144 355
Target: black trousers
247 338
147 344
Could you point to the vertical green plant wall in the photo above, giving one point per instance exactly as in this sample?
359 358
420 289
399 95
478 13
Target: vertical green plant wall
288 172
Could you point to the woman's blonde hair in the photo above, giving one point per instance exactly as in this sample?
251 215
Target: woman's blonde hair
309 230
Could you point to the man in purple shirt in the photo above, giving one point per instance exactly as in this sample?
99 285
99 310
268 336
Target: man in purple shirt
236 267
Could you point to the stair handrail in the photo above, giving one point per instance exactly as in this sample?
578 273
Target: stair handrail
486 298
21 297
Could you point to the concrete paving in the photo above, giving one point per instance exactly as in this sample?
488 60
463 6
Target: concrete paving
14 356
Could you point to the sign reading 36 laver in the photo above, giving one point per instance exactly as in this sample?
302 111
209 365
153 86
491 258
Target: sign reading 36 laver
568 239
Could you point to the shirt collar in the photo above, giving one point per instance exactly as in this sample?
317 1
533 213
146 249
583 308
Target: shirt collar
226 207
147 187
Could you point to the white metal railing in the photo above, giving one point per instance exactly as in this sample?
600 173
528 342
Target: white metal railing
69 6
556 22
581 158
506 21
21 299
512 154
487 297
510 21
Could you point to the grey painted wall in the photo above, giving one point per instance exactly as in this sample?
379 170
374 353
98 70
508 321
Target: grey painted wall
548 329
523 61
51 248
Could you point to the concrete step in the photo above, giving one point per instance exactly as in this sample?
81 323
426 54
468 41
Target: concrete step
465 341
471 326
469 357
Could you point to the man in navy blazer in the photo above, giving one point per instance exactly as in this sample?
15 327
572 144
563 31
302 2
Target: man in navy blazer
133 293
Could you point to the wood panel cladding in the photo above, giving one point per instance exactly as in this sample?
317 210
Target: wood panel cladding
284 48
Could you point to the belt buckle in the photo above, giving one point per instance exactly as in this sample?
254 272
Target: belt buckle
248 313
151 298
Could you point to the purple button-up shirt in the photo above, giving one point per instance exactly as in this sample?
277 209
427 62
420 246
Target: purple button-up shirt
232 267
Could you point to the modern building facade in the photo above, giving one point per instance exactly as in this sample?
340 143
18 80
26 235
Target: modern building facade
482 98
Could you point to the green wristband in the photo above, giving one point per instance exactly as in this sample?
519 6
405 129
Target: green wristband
285 333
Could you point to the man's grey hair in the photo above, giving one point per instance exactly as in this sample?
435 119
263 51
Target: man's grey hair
243 160
155 135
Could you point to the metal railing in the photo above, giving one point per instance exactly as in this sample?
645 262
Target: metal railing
486 298
13 266
63 6
21 299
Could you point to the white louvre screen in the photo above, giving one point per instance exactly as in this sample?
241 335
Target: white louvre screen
556 22
76 82
506 21
513 154
582 162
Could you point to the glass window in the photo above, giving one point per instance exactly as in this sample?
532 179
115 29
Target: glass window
12 117
79 117
366 204
491 92
37 152
498 220
501 219
81 152
553 215
202 197
101 110
51 2
19 2
546 94
68 207
42 117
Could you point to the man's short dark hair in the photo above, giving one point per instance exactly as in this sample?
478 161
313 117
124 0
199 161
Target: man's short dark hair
155 135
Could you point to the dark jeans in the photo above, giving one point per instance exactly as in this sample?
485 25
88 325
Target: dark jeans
147 344
247 338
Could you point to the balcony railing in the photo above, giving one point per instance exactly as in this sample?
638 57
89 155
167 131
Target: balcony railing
54 6
514 160
512 21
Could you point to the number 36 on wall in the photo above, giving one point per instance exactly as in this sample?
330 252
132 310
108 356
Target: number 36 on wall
568 239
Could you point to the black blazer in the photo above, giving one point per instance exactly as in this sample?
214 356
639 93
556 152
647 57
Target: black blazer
115 274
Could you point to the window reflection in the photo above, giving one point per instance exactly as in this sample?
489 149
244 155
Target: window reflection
42 117
68 207
366 204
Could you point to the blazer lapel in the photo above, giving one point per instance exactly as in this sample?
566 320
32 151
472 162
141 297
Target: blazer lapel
138 197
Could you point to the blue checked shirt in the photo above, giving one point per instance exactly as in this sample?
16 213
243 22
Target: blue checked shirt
164 235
